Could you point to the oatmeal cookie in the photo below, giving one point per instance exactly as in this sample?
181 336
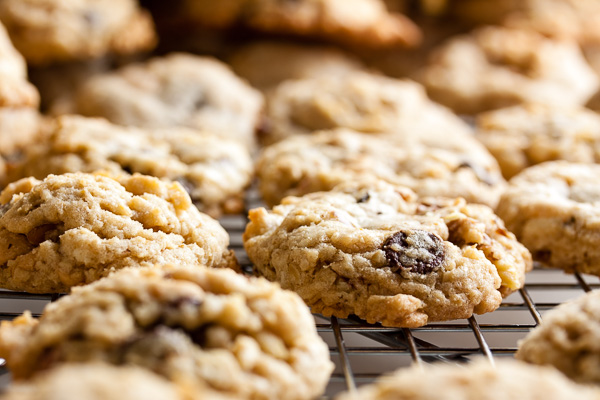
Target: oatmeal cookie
507 380
94 381
266 64
553 209
48 31
360 101
209 329
567 339
176 90
530 134
376 251
496 67
359 23
73 229
431 165
215 171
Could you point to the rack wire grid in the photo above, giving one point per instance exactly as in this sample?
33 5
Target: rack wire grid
362 352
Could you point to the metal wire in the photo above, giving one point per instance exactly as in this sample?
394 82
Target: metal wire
362 351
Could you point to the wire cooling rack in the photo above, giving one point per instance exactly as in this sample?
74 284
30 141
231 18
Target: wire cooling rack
362 352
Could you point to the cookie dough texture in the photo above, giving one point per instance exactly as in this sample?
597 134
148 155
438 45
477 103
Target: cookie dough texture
94 381
214 170
359 23
48 31
361 101
433 164
479 380
211 330
567 339
525 135
553 209
495 67
377 251
73 229
175 90
266 64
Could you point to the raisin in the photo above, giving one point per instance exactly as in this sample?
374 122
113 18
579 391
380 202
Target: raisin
187 184
418 251
42 233
364 198
479 171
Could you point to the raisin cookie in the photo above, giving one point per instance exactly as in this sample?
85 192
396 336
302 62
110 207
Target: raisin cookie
73 229
360 101
95 381
48 31
376 251
431 165
529 134
507 380
176 90
553 209
567 339
215 171
359 23
266 64
495 67
207 329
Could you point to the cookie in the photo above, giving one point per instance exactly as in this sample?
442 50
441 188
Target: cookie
49 31
377 251
360 101
567 339
507 380
359 23
432 165
570 19
208 329
553 209
266 64
94 381
176 90
529 134
73 229
495 67
214 170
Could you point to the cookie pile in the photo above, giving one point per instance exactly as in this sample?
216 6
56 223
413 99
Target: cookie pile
413 157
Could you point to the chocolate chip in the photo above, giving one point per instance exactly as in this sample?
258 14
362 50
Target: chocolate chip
364 198
418 251
42 233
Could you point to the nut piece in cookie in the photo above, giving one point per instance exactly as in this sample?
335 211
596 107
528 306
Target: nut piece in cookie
214 170
206 329
554 208
506 380
377 251
72 229
267 64
356 23
567 339
49 31
529 134
495 67
94 381
176 90
431 164
361 101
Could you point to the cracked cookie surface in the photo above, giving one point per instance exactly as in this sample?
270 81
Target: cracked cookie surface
567 339
47 31
208 329
554 210
214 170
430 164
175 90
72 229
506 380
377 251
522 136
495 67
